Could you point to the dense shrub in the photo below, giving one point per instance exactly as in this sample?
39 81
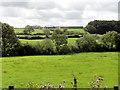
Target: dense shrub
65 49
27 49
74 48
59 39
45 47
111 40
87 43
46 32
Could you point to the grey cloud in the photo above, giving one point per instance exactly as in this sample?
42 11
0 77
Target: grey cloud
42 5
46 16
30 5
10 12
14 4
103 7
75 15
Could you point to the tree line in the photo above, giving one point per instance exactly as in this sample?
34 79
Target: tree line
58 44
102 26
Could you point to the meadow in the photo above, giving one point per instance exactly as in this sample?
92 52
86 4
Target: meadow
20 30
55 69
71 41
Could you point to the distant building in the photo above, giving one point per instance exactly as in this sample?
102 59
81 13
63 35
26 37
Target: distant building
71 27
62 27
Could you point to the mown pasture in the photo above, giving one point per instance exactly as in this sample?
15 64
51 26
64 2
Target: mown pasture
55 69
71 41
20 30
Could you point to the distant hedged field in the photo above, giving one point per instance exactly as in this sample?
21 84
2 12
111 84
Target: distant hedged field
30 41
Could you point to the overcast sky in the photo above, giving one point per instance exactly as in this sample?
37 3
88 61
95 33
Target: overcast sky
19 13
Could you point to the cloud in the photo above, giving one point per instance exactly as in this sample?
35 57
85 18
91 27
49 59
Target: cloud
14 4
56 12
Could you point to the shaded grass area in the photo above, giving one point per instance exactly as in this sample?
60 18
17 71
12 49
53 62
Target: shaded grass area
19 71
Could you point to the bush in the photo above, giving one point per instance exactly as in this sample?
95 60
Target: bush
26 49
45 47
64 49
111 40
74 48
87 43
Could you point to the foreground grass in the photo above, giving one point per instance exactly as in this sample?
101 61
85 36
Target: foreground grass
19 71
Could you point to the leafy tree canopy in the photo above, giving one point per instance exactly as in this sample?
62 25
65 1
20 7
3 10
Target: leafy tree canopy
10 43
28 29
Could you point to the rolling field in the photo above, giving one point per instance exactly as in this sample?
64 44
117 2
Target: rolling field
77 30
20 30
19 71
70 41
30 41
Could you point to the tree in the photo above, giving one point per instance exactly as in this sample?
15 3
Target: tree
65 30
10 43
45 47
28 29
59 38
91 29
46 32
102 26
111 40
118 42
87 43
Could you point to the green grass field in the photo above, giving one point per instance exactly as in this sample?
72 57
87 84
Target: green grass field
19 71
20 30
71 41
77 30
30 41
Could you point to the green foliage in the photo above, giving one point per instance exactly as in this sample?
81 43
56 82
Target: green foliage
111 40
10 43
65 29
87 43
90 28
74 48
64 50
59 39
45 47
47 32
102 26
28 29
